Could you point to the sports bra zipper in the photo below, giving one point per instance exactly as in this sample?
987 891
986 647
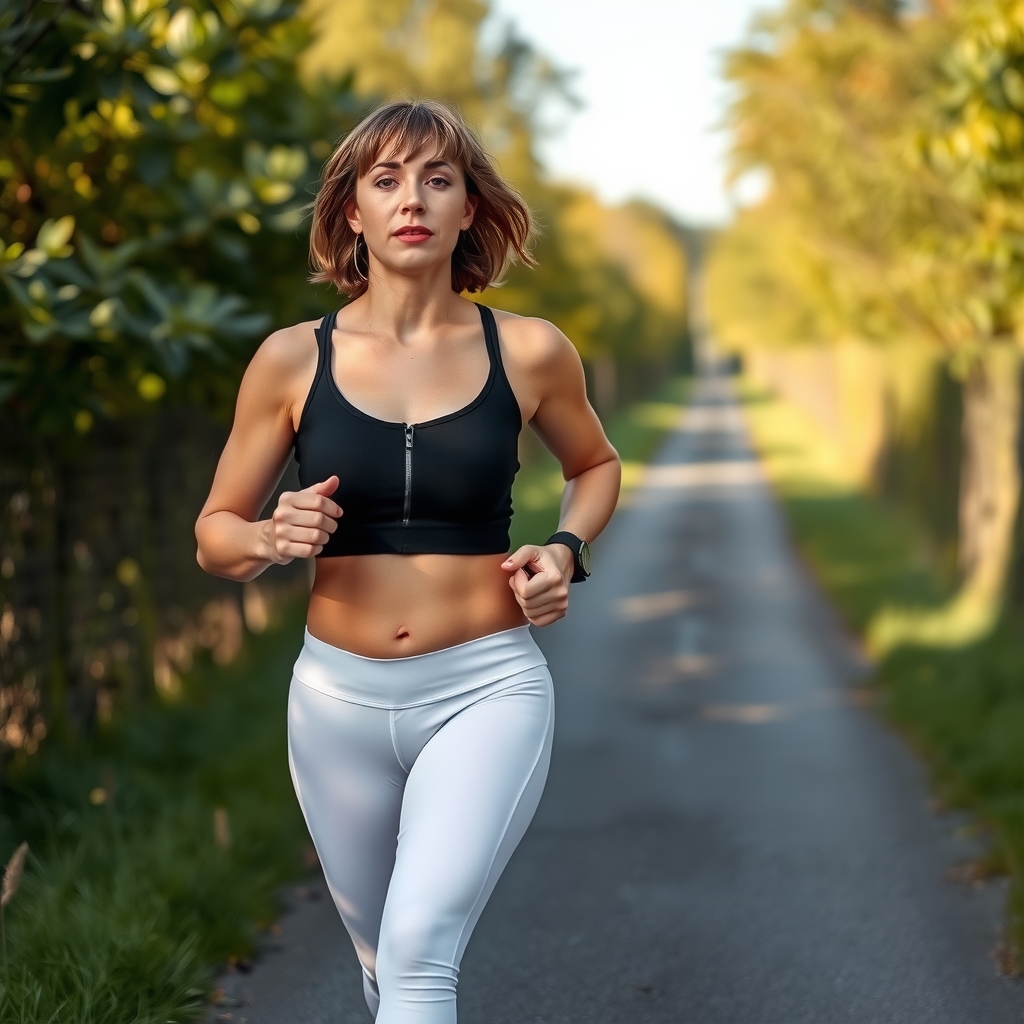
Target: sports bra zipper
407 507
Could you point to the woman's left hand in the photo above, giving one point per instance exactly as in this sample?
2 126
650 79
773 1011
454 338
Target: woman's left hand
540 580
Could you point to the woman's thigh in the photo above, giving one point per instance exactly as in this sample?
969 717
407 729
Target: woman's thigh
349 784
471 792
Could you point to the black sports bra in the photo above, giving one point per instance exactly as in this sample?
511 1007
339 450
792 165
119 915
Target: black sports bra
441 486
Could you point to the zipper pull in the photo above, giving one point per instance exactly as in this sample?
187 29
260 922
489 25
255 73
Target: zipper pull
408 435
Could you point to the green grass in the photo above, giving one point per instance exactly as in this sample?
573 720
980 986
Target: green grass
962 709
965 710
128 905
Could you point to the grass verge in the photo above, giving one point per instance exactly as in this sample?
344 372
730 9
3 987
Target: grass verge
962 709
157 847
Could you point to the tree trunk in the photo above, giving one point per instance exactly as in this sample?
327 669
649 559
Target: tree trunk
990 471
990 484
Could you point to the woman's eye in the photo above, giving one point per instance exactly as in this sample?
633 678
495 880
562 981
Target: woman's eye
438 181
385 182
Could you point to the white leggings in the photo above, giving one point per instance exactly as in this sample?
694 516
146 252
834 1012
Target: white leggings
417 777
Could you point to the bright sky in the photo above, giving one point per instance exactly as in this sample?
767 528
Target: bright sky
649 78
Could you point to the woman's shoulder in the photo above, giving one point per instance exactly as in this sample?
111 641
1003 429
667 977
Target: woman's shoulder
533 343
288 348
284 363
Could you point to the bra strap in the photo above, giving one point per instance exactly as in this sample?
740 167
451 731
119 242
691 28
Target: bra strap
494 350
323 341
491 336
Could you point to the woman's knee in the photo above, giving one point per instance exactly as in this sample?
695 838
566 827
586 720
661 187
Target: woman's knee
417 950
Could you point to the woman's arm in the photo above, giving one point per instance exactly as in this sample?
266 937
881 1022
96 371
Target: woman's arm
231 542
567 424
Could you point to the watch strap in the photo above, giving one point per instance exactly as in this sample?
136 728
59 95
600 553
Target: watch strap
575 545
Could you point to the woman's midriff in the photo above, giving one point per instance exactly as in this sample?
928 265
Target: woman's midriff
393 606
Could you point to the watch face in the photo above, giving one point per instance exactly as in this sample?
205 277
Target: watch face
585 557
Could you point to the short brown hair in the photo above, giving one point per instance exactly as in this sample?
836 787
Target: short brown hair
502 227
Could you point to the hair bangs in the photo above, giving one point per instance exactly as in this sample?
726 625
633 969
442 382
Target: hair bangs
407 134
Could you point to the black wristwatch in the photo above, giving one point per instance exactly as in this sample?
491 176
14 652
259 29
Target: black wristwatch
580 552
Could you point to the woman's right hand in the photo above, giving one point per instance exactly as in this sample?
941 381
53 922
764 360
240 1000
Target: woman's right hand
303 522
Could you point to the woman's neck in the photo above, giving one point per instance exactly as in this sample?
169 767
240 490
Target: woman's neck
401 305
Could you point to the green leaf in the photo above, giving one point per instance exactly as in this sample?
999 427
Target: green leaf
162 80
37 75
54 235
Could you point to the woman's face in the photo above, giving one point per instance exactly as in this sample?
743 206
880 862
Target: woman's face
410 210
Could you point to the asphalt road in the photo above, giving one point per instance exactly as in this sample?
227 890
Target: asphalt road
727 836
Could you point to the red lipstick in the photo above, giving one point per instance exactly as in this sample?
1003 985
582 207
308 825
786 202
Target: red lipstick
414 233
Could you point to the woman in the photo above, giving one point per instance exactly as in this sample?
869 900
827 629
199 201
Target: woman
420 710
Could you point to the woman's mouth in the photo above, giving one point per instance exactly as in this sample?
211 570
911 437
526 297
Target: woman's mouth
413 233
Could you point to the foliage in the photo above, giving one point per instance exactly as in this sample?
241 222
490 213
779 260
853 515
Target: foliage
154 161
977 146
831 101
895 149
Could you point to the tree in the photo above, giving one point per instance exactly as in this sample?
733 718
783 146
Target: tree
974 143
895 155
155 158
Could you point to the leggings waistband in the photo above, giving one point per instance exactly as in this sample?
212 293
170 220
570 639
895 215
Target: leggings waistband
420 678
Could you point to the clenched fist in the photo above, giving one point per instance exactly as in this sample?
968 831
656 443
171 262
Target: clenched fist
303 521
540 580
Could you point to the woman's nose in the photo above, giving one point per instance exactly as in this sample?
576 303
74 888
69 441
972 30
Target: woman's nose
412 199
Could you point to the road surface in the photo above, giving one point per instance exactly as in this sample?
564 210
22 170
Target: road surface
727 835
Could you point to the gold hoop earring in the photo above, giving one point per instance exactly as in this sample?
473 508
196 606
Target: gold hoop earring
355 259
